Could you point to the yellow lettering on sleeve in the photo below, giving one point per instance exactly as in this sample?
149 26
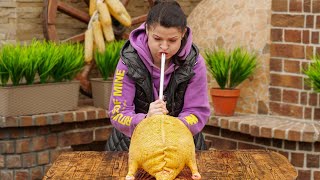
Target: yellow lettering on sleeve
117 106
117 117
191 119
124 120
118 83
128 120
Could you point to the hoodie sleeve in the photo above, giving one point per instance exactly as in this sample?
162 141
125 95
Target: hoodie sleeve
196 109
121 106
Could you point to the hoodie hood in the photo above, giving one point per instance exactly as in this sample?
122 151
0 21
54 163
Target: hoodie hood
139 40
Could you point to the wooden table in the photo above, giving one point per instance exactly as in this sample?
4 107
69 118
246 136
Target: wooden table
212 164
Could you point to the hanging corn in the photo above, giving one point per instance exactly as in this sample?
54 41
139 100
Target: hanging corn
98 36
88 45
104 15
108 32
100 25
118 11
105 20
92 7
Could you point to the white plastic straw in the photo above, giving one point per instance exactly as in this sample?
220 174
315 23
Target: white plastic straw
163 60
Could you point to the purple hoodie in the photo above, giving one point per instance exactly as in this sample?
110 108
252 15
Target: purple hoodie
196 109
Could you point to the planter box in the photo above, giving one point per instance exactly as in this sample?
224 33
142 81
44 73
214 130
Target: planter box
39 98
101 92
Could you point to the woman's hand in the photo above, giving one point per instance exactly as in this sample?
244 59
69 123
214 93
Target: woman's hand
157 107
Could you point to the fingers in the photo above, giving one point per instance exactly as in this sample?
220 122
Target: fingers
157 107
161 106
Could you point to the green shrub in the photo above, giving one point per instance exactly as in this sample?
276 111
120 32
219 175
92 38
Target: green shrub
230 69
5 57
313 73
48 60
35 57
108 60
70 63
50 57
13 61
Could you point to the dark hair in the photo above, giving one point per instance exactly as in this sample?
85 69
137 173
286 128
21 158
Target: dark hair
168 13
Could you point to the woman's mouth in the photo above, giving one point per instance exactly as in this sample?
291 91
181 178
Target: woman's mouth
163 53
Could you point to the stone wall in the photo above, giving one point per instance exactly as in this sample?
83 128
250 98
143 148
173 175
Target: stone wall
228 24
22 20
285 33
8 19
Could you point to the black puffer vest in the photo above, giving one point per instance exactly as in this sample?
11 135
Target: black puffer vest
174 92
144 91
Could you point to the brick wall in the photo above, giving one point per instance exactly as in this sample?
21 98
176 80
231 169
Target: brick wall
303 155
295 39
297 140
29 144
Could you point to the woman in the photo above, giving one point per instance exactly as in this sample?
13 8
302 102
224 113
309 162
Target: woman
137 78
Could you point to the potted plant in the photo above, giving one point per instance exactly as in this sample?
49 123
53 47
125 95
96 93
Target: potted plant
38 78
229 69
313 72
106 63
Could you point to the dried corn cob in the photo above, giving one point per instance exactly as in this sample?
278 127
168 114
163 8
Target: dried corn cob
118 11
104 15
88 46
108 32
92 7
98 36
105 20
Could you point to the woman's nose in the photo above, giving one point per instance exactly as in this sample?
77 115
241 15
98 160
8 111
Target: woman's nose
164 45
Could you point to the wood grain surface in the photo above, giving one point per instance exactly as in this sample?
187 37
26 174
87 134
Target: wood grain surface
212 164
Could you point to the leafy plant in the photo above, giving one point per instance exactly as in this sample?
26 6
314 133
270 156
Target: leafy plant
70 63
230 69
4 73
313 73
48 60
35 52
108 60
13 60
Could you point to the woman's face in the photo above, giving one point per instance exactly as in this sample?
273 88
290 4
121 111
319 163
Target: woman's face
163 40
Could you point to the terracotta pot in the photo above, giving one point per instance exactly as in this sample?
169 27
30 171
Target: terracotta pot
224 101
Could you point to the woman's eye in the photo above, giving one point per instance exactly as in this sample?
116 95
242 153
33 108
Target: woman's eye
173 40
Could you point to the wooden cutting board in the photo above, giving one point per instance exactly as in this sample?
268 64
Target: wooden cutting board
212 164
